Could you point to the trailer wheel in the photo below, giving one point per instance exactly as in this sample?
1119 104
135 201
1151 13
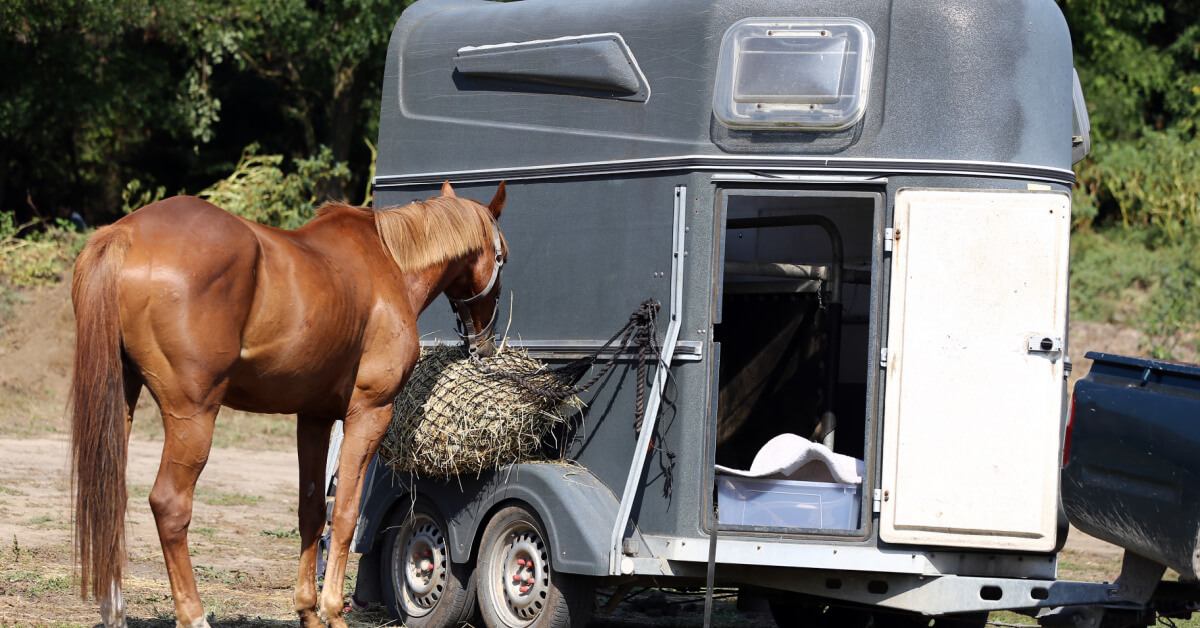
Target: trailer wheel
518 587
422 586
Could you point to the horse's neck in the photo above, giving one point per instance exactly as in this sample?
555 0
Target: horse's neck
425 286
420 288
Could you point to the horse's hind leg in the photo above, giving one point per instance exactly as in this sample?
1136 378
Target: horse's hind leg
189 429
112 607
312 447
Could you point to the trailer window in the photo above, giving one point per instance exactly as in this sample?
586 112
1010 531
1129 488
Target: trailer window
799 73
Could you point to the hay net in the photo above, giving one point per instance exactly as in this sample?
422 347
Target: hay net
454 417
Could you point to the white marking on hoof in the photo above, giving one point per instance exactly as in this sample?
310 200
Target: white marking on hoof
199 622
112 607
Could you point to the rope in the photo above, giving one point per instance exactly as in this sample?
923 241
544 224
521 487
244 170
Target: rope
639 329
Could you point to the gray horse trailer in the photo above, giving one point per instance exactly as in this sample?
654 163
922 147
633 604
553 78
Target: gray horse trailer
855 216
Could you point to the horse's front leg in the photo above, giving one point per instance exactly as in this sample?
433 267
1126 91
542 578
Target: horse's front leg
364 429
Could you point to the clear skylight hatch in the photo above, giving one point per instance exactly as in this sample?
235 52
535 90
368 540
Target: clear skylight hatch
793 73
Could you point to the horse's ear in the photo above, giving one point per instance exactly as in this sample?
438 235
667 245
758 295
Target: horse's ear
497 203
448 191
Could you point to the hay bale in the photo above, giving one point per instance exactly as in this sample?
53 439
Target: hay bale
454 418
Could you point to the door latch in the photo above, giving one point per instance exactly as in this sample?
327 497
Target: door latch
1046 345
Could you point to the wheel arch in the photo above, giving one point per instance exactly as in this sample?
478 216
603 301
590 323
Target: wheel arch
576 508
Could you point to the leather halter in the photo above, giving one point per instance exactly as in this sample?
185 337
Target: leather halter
465 327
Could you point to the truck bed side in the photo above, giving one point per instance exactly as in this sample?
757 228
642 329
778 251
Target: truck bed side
1132 459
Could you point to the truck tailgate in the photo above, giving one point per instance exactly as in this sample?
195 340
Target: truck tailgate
1132 470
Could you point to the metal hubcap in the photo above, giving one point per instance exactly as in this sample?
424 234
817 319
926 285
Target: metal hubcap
524 572
423 569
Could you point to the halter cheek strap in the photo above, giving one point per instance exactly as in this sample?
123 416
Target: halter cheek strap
465 325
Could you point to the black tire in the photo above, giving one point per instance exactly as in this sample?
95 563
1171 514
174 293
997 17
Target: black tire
514 545
422 586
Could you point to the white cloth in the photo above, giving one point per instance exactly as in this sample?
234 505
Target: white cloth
792 457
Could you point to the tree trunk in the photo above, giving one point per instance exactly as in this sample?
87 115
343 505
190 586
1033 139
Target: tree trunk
343 114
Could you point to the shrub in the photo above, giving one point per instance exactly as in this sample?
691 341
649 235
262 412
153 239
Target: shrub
37 252
1152 181
261 191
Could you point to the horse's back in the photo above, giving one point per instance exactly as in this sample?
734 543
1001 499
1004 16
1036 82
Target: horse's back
280 313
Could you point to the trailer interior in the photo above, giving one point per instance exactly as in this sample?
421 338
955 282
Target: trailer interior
796 313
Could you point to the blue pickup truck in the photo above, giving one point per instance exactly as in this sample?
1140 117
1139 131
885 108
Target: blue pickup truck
1131 463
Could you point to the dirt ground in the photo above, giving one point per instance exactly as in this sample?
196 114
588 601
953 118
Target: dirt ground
244 545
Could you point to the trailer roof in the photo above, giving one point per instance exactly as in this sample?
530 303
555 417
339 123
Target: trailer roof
630 83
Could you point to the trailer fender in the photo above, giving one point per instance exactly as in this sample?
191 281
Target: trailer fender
577 509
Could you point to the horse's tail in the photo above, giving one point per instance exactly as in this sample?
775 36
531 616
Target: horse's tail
98 442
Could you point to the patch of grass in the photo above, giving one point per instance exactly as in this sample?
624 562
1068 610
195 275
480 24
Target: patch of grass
1135 276
1087 567
207 533
11 491
1009 617
1112 272
40 519
35 582
222 498
9 301
282 533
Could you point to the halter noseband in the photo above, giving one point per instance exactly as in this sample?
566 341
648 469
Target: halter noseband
465 327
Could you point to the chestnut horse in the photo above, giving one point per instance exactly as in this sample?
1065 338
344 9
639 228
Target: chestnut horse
207 309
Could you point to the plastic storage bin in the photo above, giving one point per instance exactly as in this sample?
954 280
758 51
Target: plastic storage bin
788 503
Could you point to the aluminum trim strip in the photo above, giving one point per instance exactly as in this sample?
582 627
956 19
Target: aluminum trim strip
634 480
841 165
685 350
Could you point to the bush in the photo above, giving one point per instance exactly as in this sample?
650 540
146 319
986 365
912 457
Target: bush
1169 323
1152 181
261 191
37 252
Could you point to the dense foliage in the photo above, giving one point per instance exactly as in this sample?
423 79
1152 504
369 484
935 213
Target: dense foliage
1137 209
98 93
1139 63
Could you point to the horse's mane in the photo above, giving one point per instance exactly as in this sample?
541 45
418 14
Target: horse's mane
430 232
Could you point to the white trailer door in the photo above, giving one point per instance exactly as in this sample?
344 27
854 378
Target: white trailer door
974 385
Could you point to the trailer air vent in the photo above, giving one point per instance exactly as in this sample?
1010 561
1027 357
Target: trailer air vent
797 73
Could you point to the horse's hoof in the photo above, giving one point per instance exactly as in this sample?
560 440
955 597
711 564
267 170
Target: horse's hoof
310 619
200 622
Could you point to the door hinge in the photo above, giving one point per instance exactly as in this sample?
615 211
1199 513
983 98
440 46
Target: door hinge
877 501
889 237
883 358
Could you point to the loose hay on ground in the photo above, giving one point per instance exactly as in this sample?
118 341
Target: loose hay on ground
453 418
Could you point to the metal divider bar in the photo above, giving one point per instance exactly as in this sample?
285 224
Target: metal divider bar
661 372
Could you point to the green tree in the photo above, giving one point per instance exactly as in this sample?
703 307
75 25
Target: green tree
1139 64
97 93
